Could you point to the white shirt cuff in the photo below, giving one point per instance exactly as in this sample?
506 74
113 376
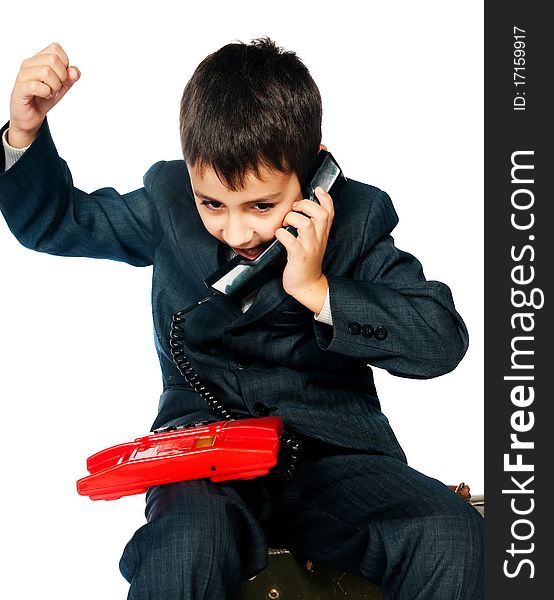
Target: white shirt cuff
325 313
12 154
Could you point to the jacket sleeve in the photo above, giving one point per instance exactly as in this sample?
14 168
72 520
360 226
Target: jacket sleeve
47 213
387 313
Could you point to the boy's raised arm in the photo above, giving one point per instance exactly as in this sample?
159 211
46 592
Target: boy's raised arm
38 200
42 81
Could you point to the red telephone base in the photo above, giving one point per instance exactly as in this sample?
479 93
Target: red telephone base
224 450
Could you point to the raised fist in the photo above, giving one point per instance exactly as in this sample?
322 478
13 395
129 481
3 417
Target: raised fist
42 81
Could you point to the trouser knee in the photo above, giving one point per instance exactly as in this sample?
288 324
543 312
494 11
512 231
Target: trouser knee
197 544
438 556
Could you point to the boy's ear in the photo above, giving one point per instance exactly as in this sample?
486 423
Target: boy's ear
322 147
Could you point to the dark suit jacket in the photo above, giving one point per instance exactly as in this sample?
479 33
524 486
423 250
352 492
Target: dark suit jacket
275 355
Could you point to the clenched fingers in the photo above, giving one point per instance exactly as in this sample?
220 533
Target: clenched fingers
308 215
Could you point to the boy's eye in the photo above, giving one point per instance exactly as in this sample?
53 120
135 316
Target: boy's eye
211 204
263 206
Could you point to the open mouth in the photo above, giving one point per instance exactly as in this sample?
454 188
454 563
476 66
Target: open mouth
250 253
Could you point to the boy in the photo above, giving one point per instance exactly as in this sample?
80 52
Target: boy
300 347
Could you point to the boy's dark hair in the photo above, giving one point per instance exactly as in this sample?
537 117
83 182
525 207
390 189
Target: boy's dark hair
249 106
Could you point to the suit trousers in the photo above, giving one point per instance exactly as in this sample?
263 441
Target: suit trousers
367 514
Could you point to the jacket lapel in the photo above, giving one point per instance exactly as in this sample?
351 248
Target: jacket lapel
197 248
268 298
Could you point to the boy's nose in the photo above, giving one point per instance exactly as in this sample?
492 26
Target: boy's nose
237 236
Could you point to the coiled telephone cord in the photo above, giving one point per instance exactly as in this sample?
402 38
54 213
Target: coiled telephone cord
291 445
176 345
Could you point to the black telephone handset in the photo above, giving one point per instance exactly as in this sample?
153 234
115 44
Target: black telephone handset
240 276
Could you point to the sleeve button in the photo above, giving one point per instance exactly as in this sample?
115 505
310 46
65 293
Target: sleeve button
354 328
380 333
367 330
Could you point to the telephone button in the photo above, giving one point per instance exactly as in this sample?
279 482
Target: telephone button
367 330
354 328
380 333
261 409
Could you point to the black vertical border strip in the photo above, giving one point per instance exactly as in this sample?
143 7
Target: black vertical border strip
518 545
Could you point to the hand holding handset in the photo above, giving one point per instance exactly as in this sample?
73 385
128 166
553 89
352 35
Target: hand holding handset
240 276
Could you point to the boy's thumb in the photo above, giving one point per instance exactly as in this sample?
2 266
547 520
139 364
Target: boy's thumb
73 74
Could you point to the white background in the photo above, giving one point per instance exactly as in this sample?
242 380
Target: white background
402 86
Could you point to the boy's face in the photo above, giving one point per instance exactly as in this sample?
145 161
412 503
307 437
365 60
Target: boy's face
245 220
